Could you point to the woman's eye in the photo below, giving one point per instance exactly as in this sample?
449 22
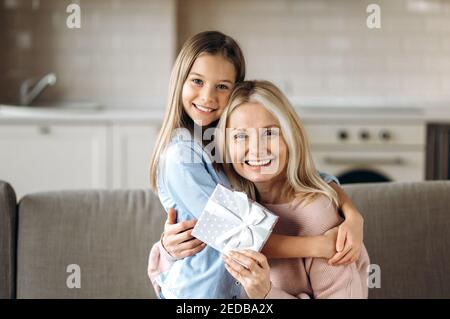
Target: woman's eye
197 81
239 136
222 87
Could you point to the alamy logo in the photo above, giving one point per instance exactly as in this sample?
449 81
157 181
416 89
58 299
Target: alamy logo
374 19
374 279
74 19
74 279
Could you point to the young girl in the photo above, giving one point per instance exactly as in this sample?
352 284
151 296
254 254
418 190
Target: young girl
260 126
203 77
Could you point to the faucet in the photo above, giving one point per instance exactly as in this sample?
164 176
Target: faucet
28 94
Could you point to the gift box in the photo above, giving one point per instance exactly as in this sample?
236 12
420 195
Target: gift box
231 221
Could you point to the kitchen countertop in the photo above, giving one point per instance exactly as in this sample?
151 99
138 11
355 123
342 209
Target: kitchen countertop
376 114
102 116
336 114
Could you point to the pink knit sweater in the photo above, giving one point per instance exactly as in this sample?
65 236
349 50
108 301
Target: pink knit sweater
298 277
313 277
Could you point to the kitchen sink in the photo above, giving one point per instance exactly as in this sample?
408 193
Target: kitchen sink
49 108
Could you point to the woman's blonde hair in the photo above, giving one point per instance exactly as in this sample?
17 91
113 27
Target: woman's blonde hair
303 181
208 42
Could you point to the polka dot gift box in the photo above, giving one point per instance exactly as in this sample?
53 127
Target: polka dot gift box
231 221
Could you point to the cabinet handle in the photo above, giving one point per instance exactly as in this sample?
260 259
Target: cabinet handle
368 161
44 130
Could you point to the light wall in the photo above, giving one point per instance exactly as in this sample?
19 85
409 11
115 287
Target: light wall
323 48
122 55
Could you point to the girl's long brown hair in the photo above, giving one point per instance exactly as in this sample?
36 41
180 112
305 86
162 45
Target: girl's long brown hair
208 42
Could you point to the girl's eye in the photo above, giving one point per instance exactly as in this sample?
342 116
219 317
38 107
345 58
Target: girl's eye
197 81
222 87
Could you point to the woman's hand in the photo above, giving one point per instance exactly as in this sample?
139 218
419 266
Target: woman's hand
255 276
177 238
349 241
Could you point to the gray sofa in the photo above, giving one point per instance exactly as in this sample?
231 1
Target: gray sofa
109 234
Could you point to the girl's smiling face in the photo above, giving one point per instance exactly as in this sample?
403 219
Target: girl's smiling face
207 88
255 144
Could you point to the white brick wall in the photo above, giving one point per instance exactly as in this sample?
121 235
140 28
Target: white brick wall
323 47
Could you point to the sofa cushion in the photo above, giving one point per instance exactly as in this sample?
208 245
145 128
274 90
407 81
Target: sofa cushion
8 214
108 234
407 233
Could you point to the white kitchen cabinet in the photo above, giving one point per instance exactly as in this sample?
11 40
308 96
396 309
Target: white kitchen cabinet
36 157
132 146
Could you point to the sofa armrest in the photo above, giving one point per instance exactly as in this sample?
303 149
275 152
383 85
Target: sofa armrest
8 230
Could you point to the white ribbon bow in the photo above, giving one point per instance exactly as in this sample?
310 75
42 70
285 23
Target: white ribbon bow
240 236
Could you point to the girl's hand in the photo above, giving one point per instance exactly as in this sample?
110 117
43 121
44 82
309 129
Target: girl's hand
177 239
327 243
255 277
349 241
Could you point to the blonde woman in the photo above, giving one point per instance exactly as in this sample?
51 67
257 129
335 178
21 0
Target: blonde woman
264 147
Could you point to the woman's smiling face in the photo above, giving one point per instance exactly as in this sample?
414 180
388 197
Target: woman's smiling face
255 144
207 88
